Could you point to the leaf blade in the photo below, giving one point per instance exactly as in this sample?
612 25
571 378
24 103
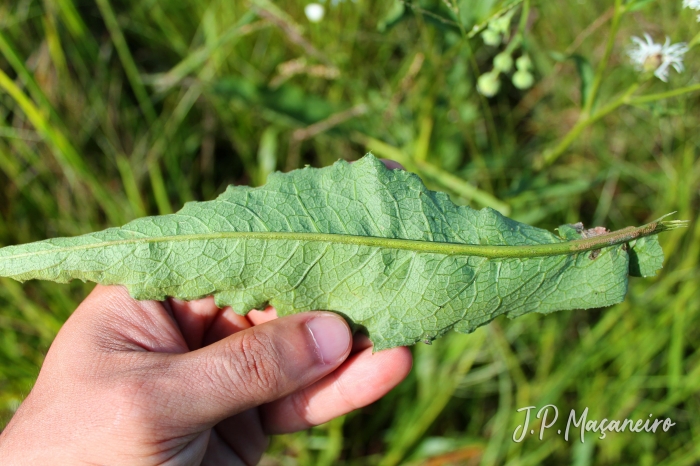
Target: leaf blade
370 243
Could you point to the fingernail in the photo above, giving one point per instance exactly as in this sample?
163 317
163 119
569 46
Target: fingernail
331 336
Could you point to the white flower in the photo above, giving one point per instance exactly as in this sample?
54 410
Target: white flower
693 5
650 56
315 12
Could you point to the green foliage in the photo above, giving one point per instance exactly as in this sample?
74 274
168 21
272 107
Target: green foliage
586 74
646 257
401 262
80 153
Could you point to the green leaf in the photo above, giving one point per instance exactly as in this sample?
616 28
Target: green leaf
392 17
586 74
635 5
646 257
400 261
570 232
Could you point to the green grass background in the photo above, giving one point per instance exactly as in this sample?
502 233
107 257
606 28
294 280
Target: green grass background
111 110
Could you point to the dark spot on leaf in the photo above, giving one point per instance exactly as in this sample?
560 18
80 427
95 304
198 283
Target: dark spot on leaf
594 254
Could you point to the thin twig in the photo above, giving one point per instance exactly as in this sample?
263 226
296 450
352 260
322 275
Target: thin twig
643 99
602 66
550 156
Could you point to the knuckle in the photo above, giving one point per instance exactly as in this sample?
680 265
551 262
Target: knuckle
347 398
300 407
257 363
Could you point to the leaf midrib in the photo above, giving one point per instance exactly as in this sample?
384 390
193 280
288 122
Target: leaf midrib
479 250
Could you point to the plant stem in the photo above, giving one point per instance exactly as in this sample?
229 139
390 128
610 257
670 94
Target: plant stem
25 75
478 28
642 99
130 68
600 72
550 156
694 41
520 38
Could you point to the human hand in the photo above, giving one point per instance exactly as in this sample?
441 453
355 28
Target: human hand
146 382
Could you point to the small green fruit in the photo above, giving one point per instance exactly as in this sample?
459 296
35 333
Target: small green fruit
491 37
523 63
522 79
488 83
503 62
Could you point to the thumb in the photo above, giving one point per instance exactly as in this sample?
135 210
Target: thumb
255 366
